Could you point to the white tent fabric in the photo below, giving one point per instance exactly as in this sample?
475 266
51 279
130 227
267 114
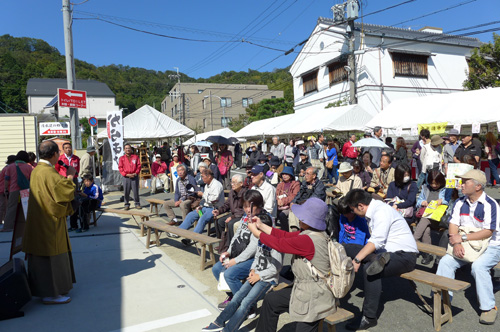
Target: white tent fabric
317 119
225 132
466 107
262 127
148 123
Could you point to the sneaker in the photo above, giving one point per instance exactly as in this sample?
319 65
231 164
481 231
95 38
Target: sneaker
126 208
252 313
71 229
212 327
378 265
221 306
427 259
172 235
187 242
361 324
488 317
138 207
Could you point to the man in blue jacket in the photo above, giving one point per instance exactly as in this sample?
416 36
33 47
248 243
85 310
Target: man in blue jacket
184 190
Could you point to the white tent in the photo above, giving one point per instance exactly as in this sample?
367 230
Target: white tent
317 119
468 107
262 127
146 123
225 132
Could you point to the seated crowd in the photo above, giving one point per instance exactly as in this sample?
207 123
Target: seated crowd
279 208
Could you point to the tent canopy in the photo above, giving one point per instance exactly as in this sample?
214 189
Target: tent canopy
225 132
462 108
317 119
313 119
146 123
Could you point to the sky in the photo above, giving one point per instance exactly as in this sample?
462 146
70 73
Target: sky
214 26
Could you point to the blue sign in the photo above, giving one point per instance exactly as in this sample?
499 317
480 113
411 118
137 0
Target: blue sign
93 121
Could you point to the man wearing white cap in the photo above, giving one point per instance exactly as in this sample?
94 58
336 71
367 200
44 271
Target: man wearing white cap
348 180
478 211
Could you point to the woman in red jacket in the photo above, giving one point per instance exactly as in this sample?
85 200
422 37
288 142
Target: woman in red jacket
285 193
224 162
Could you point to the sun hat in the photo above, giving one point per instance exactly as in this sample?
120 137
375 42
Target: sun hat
436 140
90 149
250 164
303 153
158 155
275 161
253 144
474 174
345 167
312 212
299 142
257 169
454 132
288 170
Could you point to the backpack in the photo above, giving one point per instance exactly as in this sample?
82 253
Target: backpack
341 276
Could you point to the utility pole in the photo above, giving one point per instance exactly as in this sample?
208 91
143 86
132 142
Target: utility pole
178 93
349 11
70 70
211 117
352 11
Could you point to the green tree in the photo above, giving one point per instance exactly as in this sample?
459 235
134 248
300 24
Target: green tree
240 122
484 66
268 108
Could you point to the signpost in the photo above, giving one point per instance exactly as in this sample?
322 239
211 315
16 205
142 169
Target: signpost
54 128
93 121
72 98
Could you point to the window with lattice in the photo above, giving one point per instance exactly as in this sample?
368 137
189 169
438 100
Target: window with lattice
310 82
337 72
412 65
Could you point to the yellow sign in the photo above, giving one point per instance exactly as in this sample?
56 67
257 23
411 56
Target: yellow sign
434 128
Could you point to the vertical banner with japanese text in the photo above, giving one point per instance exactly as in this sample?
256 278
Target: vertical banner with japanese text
114 125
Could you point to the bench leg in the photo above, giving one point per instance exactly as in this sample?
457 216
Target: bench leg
203 257
148 237
142 225
441 297
95 219
157 237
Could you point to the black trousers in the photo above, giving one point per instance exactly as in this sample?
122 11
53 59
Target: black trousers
88 205
220 225
274 304
352 249
400 262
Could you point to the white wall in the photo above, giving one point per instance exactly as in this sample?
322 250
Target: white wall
447 70
96 106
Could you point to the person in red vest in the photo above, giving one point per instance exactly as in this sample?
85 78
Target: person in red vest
69 159
129 166
350 154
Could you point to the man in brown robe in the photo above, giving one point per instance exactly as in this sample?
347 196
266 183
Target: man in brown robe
46 241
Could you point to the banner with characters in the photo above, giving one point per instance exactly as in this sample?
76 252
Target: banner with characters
114 125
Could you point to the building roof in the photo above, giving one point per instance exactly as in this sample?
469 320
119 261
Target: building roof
413 35
194 87
48 87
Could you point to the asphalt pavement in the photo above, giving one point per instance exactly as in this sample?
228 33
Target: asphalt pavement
122 286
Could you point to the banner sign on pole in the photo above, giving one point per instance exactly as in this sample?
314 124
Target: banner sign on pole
114 125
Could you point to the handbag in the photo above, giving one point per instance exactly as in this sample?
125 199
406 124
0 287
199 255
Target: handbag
473 249
420 212
222 285
329 164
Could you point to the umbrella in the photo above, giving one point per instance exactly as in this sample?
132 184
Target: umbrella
203 144
369 143
219 140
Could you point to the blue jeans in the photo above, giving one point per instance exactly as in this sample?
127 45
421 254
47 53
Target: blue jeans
332 173
480 271
194 216
234 275
422 178
493 170
237 310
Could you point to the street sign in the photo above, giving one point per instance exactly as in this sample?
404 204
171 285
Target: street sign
72 98
93 121
54 128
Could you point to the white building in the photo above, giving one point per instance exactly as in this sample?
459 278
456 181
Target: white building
100 98
392 63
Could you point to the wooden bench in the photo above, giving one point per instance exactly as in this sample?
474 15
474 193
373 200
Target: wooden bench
341 315
204 240
437 250
153 204
144 215
440 287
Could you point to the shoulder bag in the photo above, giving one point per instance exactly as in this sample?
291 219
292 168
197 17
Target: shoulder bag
473 249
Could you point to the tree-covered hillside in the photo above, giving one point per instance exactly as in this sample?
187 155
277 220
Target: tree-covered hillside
25 58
